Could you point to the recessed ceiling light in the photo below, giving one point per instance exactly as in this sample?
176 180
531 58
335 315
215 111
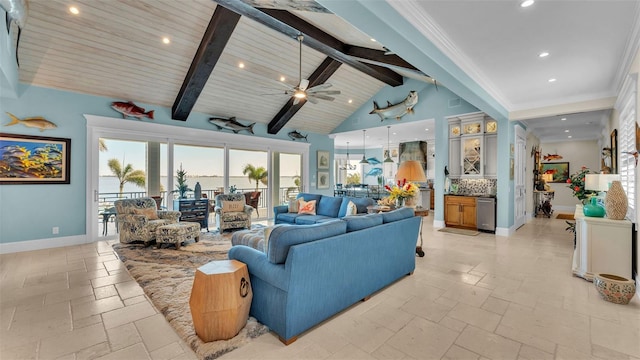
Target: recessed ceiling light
543 54
394 133
241 65
569 137
426 129
526 3
566 130
74 10
552 80
282 78
372 39
563 119
350 101
166 40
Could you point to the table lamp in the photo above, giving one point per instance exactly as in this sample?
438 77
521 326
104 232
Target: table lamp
412 171
547 178
600 183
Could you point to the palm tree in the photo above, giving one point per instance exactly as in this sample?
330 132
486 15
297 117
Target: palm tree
128 174
257 174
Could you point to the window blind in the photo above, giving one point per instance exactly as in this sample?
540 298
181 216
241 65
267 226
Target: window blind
626 106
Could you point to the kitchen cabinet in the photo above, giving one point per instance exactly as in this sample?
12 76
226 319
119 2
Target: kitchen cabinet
490 156
472 156
460 211
454 158
602 246
473 146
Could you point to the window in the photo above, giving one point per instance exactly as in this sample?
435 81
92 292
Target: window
626 107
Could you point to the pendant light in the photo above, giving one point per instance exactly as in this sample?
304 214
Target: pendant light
364 147
348 165
388 159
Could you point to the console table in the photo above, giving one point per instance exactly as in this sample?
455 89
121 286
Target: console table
193 210
602 246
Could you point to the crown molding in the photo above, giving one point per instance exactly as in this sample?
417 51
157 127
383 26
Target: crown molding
631 51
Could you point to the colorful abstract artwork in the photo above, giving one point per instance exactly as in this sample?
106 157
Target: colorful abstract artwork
28 159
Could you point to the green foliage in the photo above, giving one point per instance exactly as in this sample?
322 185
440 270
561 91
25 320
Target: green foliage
353 179
126 174
576 183
182 186
256 174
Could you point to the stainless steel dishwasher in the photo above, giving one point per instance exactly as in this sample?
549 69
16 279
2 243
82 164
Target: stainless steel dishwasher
486 214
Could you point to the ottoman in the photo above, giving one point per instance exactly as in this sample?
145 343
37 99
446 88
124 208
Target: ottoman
177 233
253 238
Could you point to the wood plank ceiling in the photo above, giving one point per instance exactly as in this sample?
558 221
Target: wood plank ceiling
114 49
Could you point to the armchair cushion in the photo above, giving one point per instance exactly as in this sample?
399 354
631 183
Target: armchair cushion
233 205
151 214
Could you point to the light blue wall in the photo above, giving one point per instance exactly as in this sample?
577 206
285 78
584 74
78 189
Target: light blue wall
28 212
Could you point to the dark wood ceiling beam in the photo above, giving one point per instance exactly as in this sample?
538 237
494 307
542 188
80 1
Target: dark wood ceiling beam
377 56
221 26
319 76
290 25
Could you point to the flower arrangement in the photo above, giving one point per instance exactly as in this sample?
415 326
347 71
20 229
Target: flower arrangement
576 184
403 190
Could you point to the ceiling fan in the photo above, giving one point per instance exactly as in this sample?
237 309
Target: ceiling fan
303 91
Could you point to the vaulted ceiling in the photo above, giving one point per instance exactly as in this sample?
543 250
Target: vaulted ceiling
114 48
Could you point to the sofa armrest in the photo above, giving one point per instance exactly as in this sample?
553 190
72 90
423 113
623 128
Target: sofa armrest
280 209
248 209
258 265
169 214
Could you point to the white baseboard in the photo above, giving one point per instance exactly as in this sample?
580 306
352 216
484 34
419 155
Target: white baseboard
19 246
500 231
438 224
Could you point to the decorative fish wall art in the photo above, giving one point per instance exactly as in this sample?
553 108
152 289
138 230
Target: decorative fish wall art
230 124
552 157
374 172
295 135
396 111
130 109
37 122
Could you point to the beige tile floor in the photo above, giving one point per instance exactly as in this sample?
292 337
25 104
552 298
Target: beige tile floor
481 297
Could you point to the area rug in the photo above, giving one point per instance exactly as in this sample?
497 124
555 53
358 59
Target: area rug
460 231
166 276
565 217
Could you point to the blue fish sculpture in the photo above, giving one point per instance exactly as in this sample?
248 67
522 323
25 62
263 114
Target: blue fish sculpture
374 172
373 161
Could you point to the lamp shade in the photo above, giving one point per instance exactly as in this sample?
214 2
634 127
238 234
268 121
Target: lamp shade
547 177
412 171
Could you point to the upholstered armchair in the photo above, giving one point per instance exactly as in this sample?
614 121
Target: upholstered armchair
232 212
139 218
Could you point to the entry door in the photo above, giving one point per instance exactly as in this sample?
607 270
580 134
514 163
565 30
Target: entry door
519 178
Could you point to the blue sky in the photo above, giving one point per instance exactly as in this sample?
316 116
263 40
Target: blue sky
195 160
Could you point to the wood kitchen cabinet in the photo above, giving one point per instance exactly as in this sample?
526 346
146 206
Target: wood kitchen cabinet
460 211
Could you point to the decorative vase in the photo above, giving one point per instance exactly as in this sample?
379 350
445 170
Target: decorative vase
616 201
410 202
197 191
613 288
593 209
399 203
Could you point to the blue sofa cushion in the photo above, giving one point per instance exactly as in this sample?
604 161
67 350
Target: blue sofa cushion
312 219
355 223
361 204
287 217
329 206
309 197
282 238
397 214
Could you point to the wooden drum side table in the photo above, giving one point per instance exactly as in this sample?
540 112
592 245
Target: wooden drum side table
423 212
220 299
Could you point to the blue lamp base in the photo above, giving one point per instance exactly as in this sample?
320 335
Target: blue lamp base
593 209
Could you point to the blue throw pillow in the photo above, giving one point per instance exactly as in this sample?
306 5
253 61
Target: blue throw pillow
355 223
329 206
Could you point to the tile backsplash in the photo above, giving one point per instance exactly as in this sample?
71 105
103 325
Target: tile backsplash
476 186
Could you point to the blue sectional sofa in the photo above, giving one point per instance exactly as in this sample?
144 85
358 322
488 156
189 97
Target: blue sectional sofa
311 272
327 208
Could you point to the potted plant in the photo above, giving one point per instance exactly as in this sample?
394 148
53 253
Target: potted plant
576 184
257 174
182 186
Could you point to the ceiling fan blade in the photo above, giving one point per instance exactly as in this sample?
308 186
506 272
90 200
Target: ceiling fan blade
304 83
323 97
296 101
320 87
312 100
325 92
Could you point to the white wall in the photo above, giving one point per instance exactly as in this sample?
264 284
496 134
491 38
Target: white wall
578 154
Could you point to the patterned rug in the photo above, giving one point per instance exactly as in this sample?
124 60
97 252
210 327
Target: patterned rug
459 231
166 275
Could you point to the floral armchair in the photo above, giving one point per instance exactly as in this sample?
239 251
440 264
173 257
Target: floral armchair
139 218
232 212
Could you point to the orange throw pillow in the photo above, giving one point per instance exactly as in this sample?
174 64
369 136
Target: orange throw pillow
307 207
150 213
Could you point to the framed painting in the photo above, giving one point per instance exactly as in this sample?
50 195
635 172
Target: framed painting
559 170
614 151
26 159
323 180
323 159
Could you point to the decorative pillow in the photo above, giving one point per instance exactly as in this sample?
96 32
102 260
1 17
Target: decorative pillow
294 205
352 209
150 213
233 206
307 207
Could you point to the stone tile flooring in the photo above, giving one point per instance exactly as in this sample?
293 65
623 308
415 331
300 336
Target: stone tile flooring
471 297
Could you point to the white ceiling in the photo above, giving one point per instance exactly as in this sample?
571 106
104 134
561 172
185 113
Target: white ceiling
107 50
